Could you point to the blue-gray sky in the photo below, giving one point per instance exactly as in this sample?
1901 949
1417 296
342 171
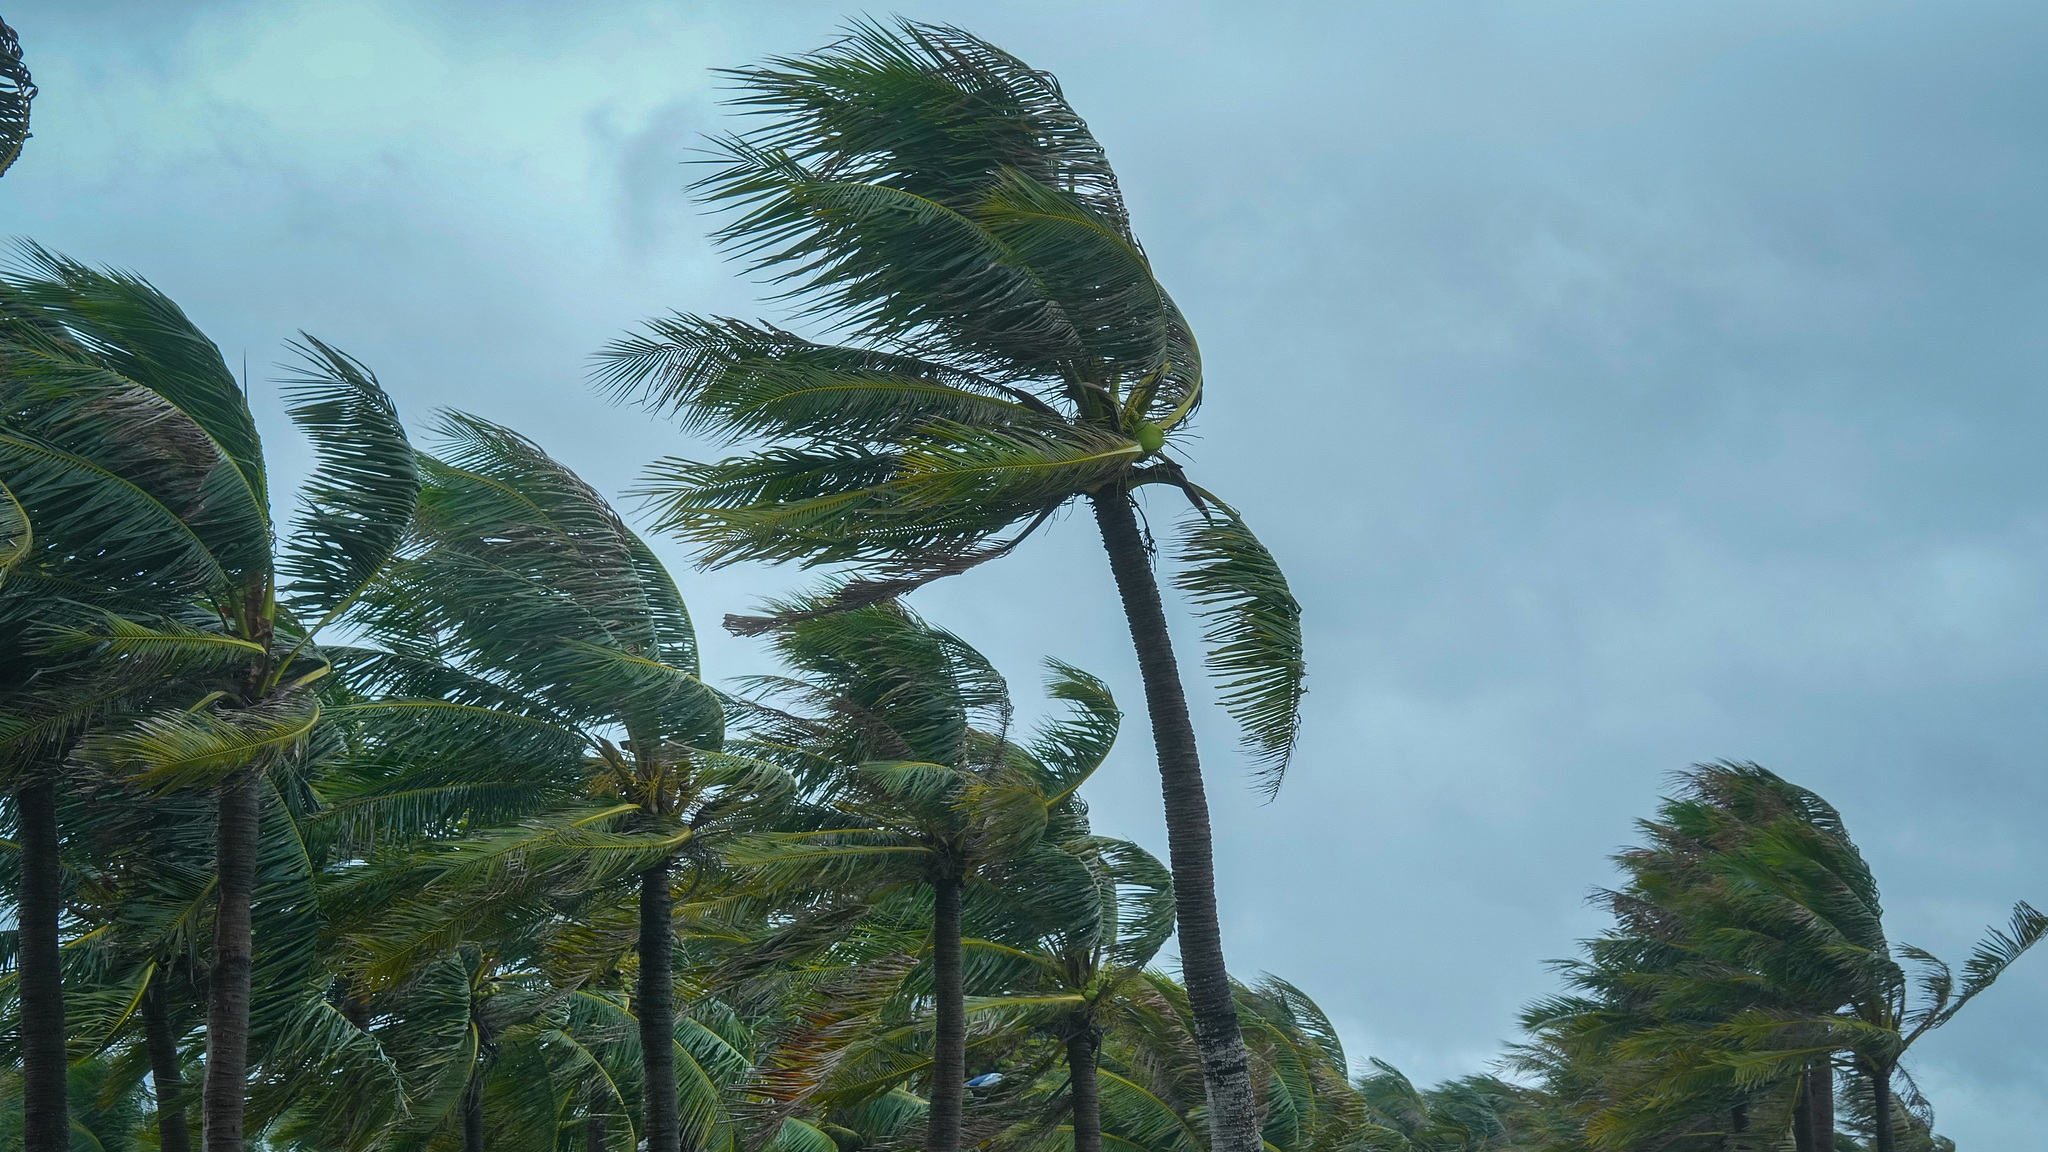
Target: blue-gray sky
1621 384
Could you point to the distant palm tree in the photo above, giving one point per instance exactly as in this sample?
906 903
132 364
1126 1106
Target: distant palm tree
549 644
131 448
1072 982
17 91
939 202
902 726
1749 953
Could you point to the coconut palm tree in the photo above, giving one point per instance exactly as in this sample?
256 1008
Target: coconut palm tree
1070 981
1009 350
131 448
526 613
1750 954
900 728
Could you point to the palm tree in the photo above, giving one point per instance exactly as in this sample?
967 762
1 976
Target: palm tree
17 91
940 203
916 784
1150 1073
527 613
1750 952
1072 981
131 447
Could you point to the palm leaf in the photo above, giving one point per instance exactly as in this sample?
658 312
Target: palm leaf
1997 952
118 321
1254 629
740 379
175 749
1075 747
359 501
1013 472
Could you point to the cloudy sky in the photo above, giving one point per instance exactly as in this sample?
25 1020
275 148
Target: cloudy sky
1622 385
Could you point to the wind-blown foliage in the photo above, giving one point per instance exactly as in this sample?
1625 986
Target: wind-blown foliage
1749 958
995 346
505 871
132 451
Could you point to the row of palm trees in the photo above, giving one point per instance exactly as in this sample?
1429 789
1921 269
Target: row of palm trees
923 193
460 873
414 823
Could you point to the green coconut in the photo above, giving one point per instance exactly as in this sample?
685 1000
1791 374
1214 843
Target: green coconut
1151 437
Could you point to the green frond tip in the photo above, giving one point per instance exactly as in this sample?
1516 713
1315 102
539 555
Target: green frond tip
1254 631
360 499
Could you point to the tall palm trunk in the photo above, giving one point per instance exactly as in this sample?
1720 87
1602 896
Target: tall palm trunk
1886 1140
1226 1073
1082 1047
595 1137
657 1008
949 1010
45 1103
237 829
172 1135
473 1111
1820 1089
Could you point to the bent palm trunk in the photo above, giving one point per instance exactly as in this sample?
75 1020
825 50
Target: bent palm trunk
1081 1082
164 1073
45 1103
1226 1073
657 1008
949 1010
237 826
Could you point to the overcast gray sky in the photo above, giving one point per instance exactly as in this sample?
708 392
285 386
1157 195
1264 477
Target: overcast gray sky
1621 384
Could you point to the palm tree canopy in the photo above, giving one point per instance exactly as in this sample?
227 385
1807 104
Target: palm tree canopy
1749 944
939 204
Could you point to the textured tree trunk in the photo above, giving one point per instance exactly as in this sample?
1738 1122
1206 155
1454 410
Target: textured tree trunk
949 1011
45 1102
1881 1109
595 1136
1226 1074
473 1111
169 1080
657 1008
1081 1050
237 829
1820 1088
1802 1120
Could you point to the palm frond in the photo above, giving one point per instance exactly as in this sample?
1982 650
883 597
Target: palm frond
176 749
1073 748
736 379
121 323
1254 629
1999 949
999 471
359 502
